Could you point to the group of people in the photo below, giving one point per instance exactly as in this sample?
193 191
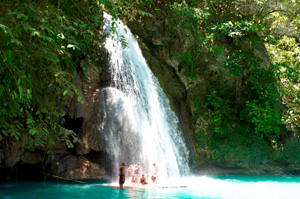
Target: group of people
143 180
134 174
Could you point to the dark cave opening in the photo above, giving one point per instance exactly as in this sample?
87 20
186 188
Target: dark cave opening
23 172
73 124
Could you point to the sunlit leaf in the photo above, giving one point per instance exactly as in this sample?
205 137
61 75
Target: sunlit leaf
65 92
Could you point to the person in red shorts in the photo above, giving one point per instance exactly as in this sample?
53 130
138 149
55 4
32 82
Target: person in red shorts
122 172
133 180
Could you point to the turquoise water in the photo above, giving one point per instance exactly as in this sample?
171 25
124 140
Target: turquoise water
229 187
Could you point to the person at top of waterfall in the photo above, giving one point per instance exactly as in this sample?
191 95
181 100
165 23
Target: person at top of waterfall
143 180
137 170
130 170
155 170
122 172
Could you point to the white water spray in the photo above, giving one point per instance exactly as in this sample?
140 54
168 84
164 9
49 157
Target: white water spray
139 125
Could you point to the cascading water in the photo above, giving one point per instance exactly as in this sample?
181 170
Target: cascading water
138 123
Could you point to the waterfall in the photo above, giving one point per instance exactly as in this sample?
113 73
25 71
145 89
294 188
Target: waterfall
138 124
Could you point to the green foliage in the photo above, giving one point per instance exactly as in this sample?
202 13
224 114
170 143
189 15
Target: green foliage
130 8
220 112
258 97
192 22
190 18
188 64
42 45
265 119
285 54
291 152
238 29
261 81
240 22
205 20
217 50
261 93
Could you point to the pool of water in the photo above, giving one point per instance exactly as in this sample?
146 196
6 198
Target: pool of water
222 187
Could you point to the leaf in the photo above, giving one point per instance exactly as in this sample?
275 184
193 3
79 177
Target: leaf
49 152
10 57
17 137
43 110
217 50
20 16
16 41
61 35
69 144
73 46
5 132
33 132
35 33
20 91
65 92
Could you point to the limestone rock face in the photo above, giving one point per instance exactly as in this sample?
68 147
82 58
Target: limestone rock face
10 153
32 158
88 108
75 167
62 161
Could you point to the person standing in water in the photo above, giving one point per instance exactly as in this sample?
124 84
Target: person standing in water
155 170
137 170
130 171
122 172
153 179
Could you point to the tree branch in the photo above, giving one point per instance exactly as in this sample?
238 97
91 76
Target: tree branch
273 11
80 11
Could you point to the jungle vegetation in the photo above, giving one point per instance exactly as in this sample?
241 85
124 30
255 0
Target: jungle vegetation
43 43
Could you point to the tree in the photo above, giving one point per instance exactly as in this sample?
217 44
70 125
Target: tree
42 45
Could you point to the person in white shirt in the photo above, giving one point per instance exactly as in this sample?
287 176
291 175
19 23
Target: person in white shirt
155 170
